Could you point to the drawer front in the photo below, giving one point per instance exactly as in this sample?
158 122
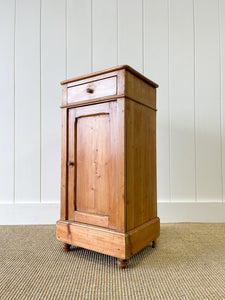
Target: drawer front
92 90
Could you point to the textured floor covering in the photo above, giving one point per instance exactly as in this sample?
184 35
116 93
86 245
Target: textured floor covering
188 263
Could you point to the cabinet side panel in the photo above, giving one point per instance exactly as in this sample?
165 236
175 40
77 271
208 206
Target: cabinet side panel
139 90
70 163
140 164
120 161
63 214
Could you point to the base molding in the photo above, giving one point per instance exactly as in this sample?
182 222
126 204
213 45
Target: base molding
141 236
107 241
91 237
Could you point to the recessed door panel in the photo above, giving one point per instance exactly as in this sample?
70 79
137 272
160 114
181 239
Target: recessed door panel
92 164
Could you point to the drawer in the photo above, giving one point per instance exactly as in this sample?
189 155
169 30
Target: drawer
93 89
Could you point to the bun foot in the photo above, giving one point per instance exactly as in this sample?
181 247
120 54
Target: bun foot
122 263
154 243
66 247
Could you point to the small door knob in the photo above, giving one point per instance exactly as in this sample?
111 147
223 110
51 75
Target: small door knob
70 164
90 91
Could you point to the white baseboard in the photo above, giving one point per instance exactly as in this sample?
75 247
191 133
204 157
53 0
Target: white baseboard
48 213
26 213
205 212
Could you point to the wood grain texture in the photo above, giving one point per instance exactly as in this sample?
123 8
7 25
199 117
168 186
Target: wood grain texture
111 169
140 164
109 72
182 101
71 148
119 152
93 152
121 245
64 157
92 238
139 90
93 101
64 145
93 89
95 76
52 58
92 143
27 101
156 66
121 82
91 218
142 236
64 95
208 126
7 10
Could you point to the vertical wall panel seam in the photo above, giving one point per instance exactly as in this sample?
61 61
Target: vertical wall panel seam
221 103
194 83
169 108
14 106
143 37
40 100
66 38
92 60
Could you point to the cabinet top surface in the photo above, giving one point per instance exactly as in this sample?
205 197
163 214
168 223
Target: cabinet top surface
125 67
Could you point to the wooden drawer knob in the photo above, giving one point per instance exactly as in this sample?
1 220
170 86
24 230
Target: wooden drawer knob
90 91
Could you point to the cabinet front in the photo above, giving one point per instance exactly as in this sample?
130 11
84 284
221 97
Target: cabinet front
92 164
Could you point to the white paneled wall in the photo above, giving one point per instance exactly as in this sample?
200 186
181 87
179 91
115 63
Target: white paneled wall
79 37
182 101
7 100
53 69
208 102
180 44
27 101
222 87
156 67
104 37
130 33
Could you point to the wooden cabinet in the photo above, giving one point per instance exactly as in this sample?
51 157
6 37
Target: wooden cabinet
108 178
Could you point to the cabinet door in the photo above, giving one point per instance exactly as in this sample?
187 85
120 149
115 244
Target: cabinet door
93 164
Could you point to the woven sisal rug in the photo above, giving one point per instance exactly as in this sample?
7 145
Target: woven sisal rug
188 263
